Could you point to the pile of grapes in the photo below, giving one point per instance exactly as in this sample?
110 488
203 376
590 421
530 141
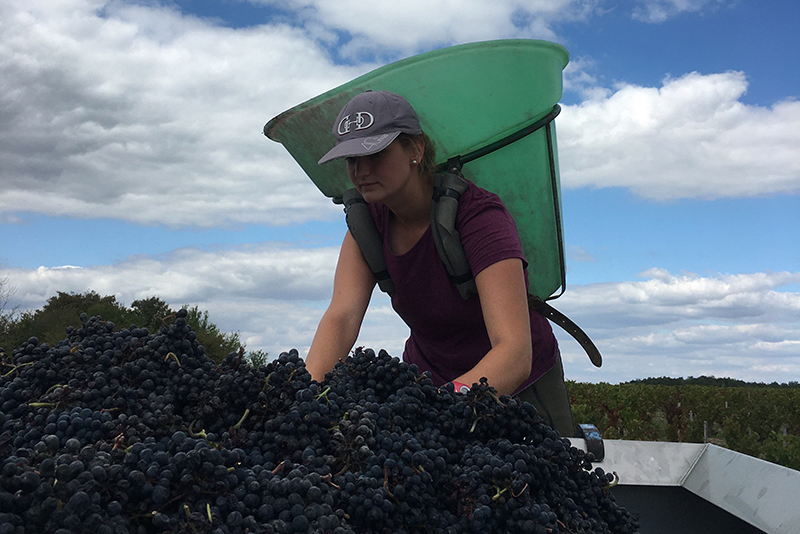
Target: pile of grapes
115 432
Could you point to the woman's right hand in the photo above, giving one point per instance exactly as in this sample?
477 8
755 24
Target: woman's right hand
339 327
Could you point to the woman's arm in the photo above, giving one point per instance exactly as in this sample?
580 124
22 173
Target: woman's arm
504 302
338 329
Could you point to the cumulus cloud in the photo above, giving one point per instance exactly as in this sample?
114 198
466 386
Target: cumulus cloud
656 11
263 272
579 78
272 295
743 326
689 138
140 113
723 324
396 29
390 30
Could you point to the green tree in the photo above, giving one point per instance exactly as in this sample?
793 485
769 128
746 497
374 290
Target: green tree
257 358
62 310
149 313
49 324
6 314
217 344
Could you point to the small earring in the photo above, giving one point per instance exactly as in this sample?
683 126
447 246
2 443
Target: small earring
414 161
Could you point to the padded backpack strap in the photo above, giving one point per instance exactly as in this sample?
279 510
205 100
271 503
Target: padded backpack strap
447 189
362 228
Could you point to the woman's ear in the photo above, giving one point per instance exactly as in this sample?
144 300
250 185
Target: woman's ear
419 149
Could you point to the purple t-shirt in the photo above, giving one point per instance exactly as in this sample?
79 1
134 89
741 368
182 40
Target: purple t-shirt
448 334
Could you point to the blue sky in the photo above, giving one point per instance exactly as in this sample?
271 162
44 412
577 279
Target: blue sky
132 163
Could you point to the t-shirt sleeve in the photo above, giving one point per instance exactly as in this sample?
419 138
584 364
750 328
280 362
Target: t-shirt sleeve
488 232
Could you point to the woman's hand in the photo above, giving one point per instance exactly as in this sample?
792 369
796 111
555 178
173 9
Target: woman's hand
339 327
504 302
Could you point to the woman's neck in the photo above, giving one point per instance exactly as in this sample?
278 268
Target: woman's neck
410 217
412 209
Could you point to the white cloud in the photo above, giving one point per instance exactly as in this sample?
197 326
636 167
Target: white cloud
267 272
389 29
272 295
396 29
141 113
667 325
744 326
656 11
579 254
579 78
150 116
690 138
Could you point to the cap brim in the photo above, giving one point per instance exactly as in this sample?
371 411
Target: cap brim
362 146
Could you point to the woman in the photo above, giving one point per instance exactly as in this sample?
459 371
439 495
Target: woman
493 334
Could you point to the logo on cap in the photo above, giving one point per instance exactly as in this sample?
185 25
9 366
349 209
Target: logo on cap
362 121
370 143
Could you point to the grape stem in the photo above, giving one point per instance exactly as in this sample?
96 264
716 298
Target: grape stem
498 493
495 397
329 479
266 382
17 367
279 467
386 482
119 442
613 482
475 422
201 434
164 319
515 495
238 425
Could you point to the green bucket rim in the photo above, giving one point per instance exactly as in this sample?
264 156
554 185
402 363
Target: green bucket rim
270 127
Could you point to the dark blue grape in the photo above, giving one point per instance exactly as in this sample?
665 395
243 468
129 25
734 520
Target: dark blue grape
131 431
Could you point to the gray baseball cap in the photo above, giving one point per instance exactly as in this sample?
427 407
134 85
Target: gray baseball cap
369 122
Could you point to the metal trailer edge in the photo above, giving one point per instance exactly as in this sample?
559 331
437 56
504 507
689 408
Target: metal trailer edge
700 487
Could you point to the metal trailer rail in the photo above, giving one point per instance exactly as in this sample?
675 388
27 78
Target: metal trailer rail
700 487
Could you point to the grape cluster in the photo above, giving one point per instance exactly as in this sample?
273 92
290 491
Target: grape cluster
123 431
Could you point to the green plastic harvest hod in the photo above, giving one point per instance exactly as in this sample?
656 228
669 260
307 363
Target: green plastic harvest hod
466 96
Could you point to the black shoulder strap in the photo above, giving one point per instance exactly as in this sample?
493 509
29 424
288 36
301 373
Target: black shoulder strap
535 303
362 227
447 189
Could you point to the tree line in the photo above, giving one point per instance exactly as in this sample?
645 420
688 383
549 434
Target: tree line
710 381
62 310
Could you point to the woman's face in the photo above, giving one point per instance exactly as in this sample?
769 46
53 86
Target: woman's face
380 177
